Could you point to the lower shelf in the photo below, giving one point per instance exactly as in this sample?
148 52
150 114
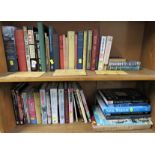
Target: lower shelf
79 127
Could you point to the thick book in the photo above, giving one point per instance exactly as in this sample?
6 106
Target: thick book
61 103
10 47
80 50
108 110
54 102
89 48
56 51
66 102
124 95
84 49
101 53
61 49
94 49
27 48
71 48
42 45
43 103
20 47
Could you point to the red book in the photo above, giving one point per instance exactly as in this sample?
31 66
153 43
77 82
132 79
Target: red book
61 52
20 46
95 51
75 50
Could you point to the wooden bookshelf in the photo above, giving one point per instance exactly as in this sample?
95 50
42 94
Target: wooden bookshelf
132 40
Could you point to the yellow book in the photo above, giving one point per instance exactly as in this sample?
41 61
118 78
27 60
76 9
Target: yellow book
84 49
37 106
71 49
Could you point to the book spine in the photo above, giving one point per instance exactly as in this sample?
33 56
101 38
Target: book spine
10 48
85 105
71 48
94 50
101 54
61 49
84 49
31 107
134 68
66 106
64 49
75 109
43 106
47 52
49 114
54 105
80 50
61 106
15 107
75 52
27 48
70 100
37 106
67 54
107 50
56 51
19 39
42 45
89 48
25 103
126 63
50 31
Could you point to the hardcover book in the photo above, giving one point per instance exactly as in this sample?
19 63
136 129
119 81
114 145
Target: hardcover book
66 102
47 52
84 49
61 49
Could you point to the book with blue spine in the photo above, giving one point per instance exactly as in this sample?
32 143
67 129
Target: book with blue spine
108 110
80 50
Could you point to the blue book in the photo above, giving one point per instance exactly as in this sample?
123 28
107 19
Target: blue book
101 120
51 31
80 50
108 110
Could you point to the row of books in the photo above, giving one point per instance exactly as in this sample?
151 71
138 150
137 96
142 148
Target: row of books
49 103
41 48
121 109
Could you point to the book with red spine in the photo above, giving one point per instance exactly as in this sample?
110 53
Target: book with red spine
95 51
20 46
75 51
61 51
64 49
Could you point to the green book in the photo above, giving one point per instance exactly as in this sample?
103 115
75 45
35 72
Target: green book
42 45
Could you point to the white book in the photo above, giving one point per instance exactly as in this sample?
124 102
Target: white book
49 114
54 103
70 100
107 50
102 52
61 103
43 103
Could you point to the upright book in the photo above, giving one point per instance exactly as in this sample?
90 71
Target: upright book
84 49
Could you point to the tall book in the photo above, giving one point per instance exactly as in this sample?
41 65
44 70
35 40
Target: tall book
107 50
75 51
61 49
75 108
101 54
66 54
61 103
32 51
71 48
43 103
37 105
42 45
54 102
27 48
51 31
80 50
66 103
10 48
84 49
47 52
20 47
94 49
89 48
56 51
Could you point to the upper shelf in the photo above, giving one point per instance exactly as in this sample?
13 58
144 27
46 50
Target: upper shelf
144 74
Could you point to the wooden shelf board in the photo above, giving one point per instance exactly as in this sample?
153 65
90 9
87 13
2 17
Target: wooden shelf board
144 74
79 127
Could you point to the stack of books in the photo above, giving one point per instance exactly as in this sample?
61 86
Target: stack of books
121 109
49 103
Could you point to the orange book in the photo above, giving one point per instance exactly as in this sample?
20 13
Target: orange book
61 51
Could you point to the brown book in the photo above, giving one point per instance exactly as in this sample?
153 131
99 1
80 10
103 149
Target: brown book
66 103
